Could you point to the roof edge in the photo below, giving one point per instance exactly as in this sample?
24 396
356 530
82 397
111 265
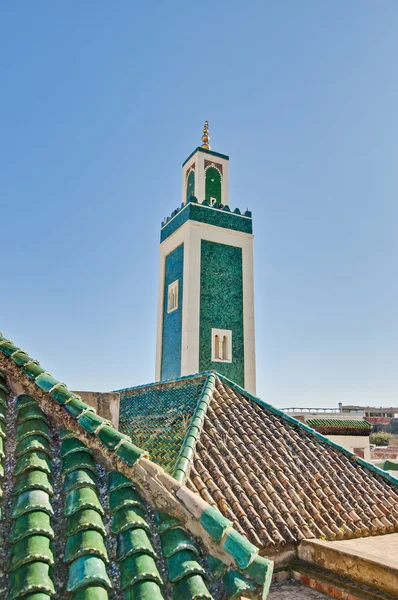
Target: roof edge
165 382
310 430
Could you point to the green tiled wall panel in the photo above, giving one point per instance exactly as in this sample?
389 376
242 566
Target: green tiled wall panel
203 214
172 322
221 306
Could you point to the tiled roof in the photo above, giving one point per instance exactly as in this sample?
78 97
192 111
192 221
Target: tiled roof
85 513
357 423
341 426
278 480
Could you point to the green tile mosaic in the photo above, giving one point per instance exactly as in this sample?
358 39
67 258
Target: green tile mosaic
221 306
172 321
156 417
220 217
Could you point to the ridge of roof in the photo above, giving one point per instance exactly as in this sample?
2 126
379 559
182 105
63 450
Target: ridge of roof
309 430
166 382
184 459
162 492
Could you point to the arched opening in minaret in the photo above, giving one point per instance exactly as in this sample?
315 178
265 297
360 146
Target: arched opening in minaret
224 348
213 185
217 347
190 185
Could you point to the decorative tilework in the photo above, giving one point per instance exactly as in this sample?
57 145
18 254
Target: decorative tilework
221 305
220 217
158 417
172 322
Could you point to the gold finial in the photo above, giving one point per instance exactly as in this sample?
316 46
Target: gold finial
205 136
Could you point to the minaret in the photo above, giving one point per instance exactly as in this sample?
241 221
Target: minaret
205 303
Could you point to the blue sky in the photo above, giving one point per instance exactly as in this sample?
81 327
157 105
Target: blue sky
100 104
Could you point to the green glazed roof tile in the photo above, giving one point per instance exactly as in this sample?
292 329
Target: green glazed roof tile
3 386
90 422
76 408
118 480
29 549
65 433
71 445
260 570
46 381
31 578
191 588
32 427
85 542
32 411
239 548
29 501
132 541
37 596
23 400
33 370
20 357
61 394
125 496
79 478
130 453
87 570
33 480
80 498
32 443
33 461
31 523
7 347
83 520
183 563
214 523
144 590
129 518
138 567
166 522
110 437
90 592
174 540
78 460
3 413
236 585
216 567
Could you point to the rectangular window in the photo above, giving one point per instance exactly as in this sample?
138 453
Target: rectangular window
172 297
221 345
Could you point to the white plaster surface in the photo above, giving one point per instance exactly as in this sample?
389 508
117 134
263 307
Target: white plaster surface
352 441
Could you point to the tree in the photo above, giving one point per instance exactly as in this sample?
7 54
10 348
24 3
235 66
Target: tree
380 439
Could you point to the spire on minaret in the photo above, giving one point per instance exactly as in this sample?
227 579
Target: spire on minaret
206 137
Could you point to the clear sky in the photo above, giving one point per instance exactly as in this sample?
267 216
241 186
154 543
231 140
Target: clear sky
102 101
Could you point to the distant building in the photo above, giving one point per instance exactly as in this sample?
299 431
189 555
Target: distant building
376 415
351 431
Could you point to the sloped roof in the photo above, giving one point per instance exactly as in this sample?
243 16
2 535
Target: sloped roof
70 478
277 479
357 423
341 426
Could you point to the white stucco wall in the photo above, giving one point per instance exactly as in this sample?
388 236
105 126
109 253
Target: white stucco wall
352 441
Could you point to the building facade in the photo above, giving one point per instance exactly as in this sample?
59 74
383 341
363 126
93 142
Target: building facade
205 304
